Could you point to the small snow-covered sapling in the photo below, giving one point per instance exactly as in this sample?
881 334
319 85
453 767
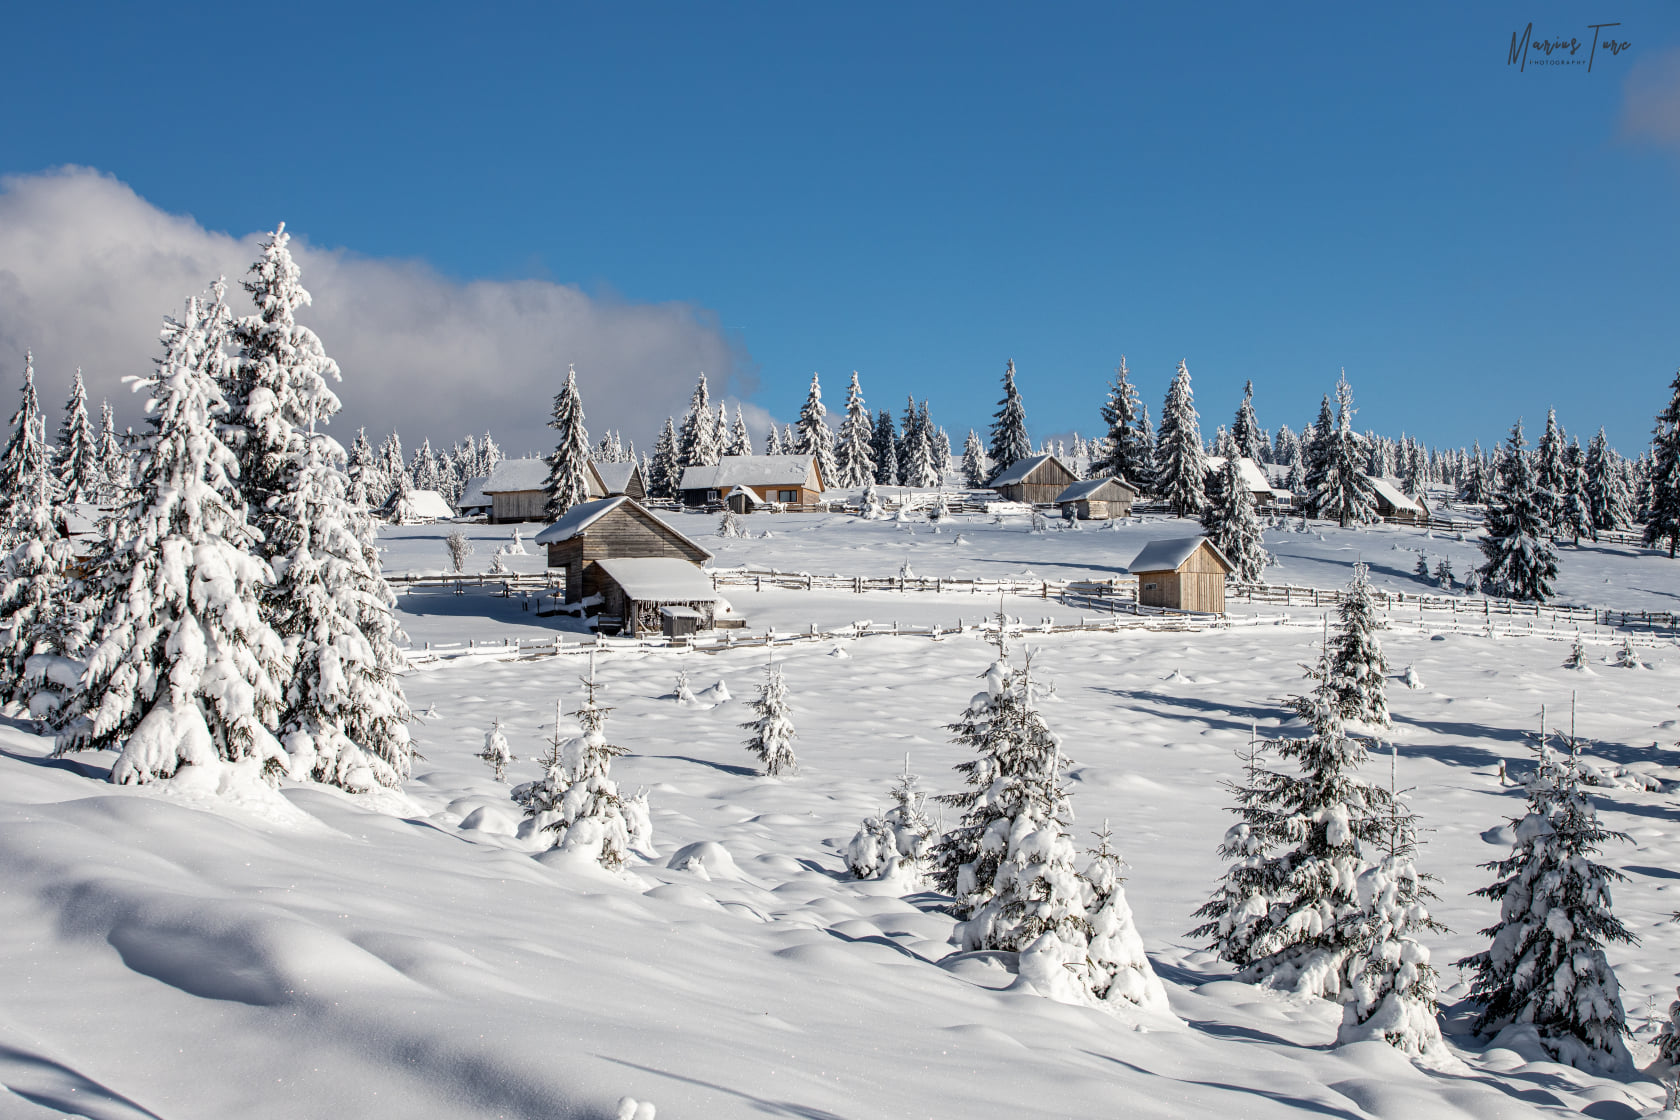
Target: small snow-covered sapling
496 751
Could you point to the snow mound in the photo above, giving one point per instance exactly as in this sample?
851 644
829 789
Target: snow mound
707 859
488 820
714 695
629 1108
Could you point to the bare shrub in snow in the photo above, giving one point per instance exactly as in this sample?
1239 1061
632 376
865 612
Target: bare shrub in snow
460 547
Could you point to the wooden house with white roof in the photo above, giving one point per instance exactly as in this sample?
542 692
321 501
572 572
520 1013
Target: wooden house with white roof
1394 503
618 549
1036 480
518 488
791 480
1101 499
1266 496
1182 573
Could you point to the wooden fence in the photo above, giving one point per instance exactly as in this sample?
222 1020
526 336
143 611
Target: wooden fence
1568 614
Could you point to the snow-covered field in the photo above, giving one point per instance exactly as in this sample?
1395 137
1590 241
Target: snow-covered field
308 953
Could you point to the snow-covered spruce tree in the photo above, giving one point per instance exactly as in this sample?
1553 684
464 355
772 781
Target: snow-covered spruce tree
895 844
367 482
724 437
1233 525
1357 666
345 719
941 451
1240 908
496 752
112 459
1125 456
77 457
1245 429
854 457
771 741
1574 515
973 461
33 606
1606 489
276 389
1116 969
1471 490
1009 426
815 438
587 812
1519 560
1551 481
1546 966
182 667
1315 453
1316 827
740 440
1023 892
886 448
666 470
1344 494
907 441
916 464
697 441
1180 466
23 465
1662 515
568 467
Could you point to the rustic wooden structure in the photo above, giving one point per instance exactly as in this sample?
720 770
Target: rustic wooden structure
1184 573
1266 496
608 480
1394 503
680 622
741 500
789 480
1038 480
636 591
474 502
613 528
1098 498
518 491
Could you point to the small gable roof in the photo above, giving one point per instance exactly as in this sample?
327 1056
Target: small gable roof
473 495
659 579
429 503
751 470
1253 476
1082 491
1018 471
1168 555
581 516
1392 495
614 477
518 474
752 499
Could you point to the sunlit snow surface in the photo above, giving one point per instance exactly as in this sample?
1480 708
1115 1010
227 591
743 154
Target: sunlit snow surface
222 950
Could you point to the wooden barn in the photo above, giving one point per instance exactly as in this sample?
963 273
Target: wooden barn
1037 480
608 480
1184 573
783 479
473 502
1100 499
594 537
1266 496
518 491
1393 501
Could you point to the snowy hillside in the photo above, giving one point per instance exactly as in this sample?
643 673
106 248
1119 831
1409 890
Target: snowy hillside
182 952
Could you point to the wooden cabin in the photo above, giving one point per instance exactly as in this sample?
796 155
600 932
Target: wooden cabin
1101 499
1036 480
1393 502
608 480
1184 574
649 595
518 491
474 502
1266 496
417 507
614 529
782 479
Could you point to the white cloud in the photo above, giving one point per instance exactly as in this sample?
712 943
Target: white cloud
88 268
1651 100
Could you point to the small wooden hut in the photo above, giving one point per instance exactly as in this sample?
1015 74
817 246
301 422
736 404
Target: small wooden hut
1036 480
792 480
645 595
1098 499
620 528
1393 502
741 500
518 491
1184 573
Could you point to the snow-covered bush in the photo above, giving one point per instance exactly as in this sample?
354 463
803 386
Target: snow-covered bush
1577 658
1545 966
729 525
1627 657
894 844
1391 991
460 547
1117 971
772 736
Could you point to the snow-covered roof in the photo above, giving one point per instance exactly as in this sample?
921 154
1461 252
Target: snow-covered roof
1167 555
518 474
1252 475
473 495
429 503
752 499
1018 471
749 470
1080 491
659 579
1389 491
615 477
579 518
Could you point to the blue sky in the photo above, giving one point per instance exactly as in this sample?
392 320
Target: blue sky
920 192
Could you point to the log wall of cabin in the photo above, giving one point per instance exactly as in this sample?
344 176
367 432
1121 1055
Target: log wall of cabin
518 505
619 532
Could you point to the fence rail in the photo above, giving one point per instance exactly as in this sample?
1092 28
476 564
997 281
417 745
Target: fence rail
1483 606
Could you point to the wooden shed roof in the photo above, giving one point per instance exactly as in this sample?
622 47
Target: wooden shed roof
1100 489
1017 472
1170 554
517 474
580 517
614 477
659 579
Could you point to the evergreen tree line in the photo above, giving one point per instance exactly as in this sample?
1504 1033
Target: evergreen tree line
230 605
